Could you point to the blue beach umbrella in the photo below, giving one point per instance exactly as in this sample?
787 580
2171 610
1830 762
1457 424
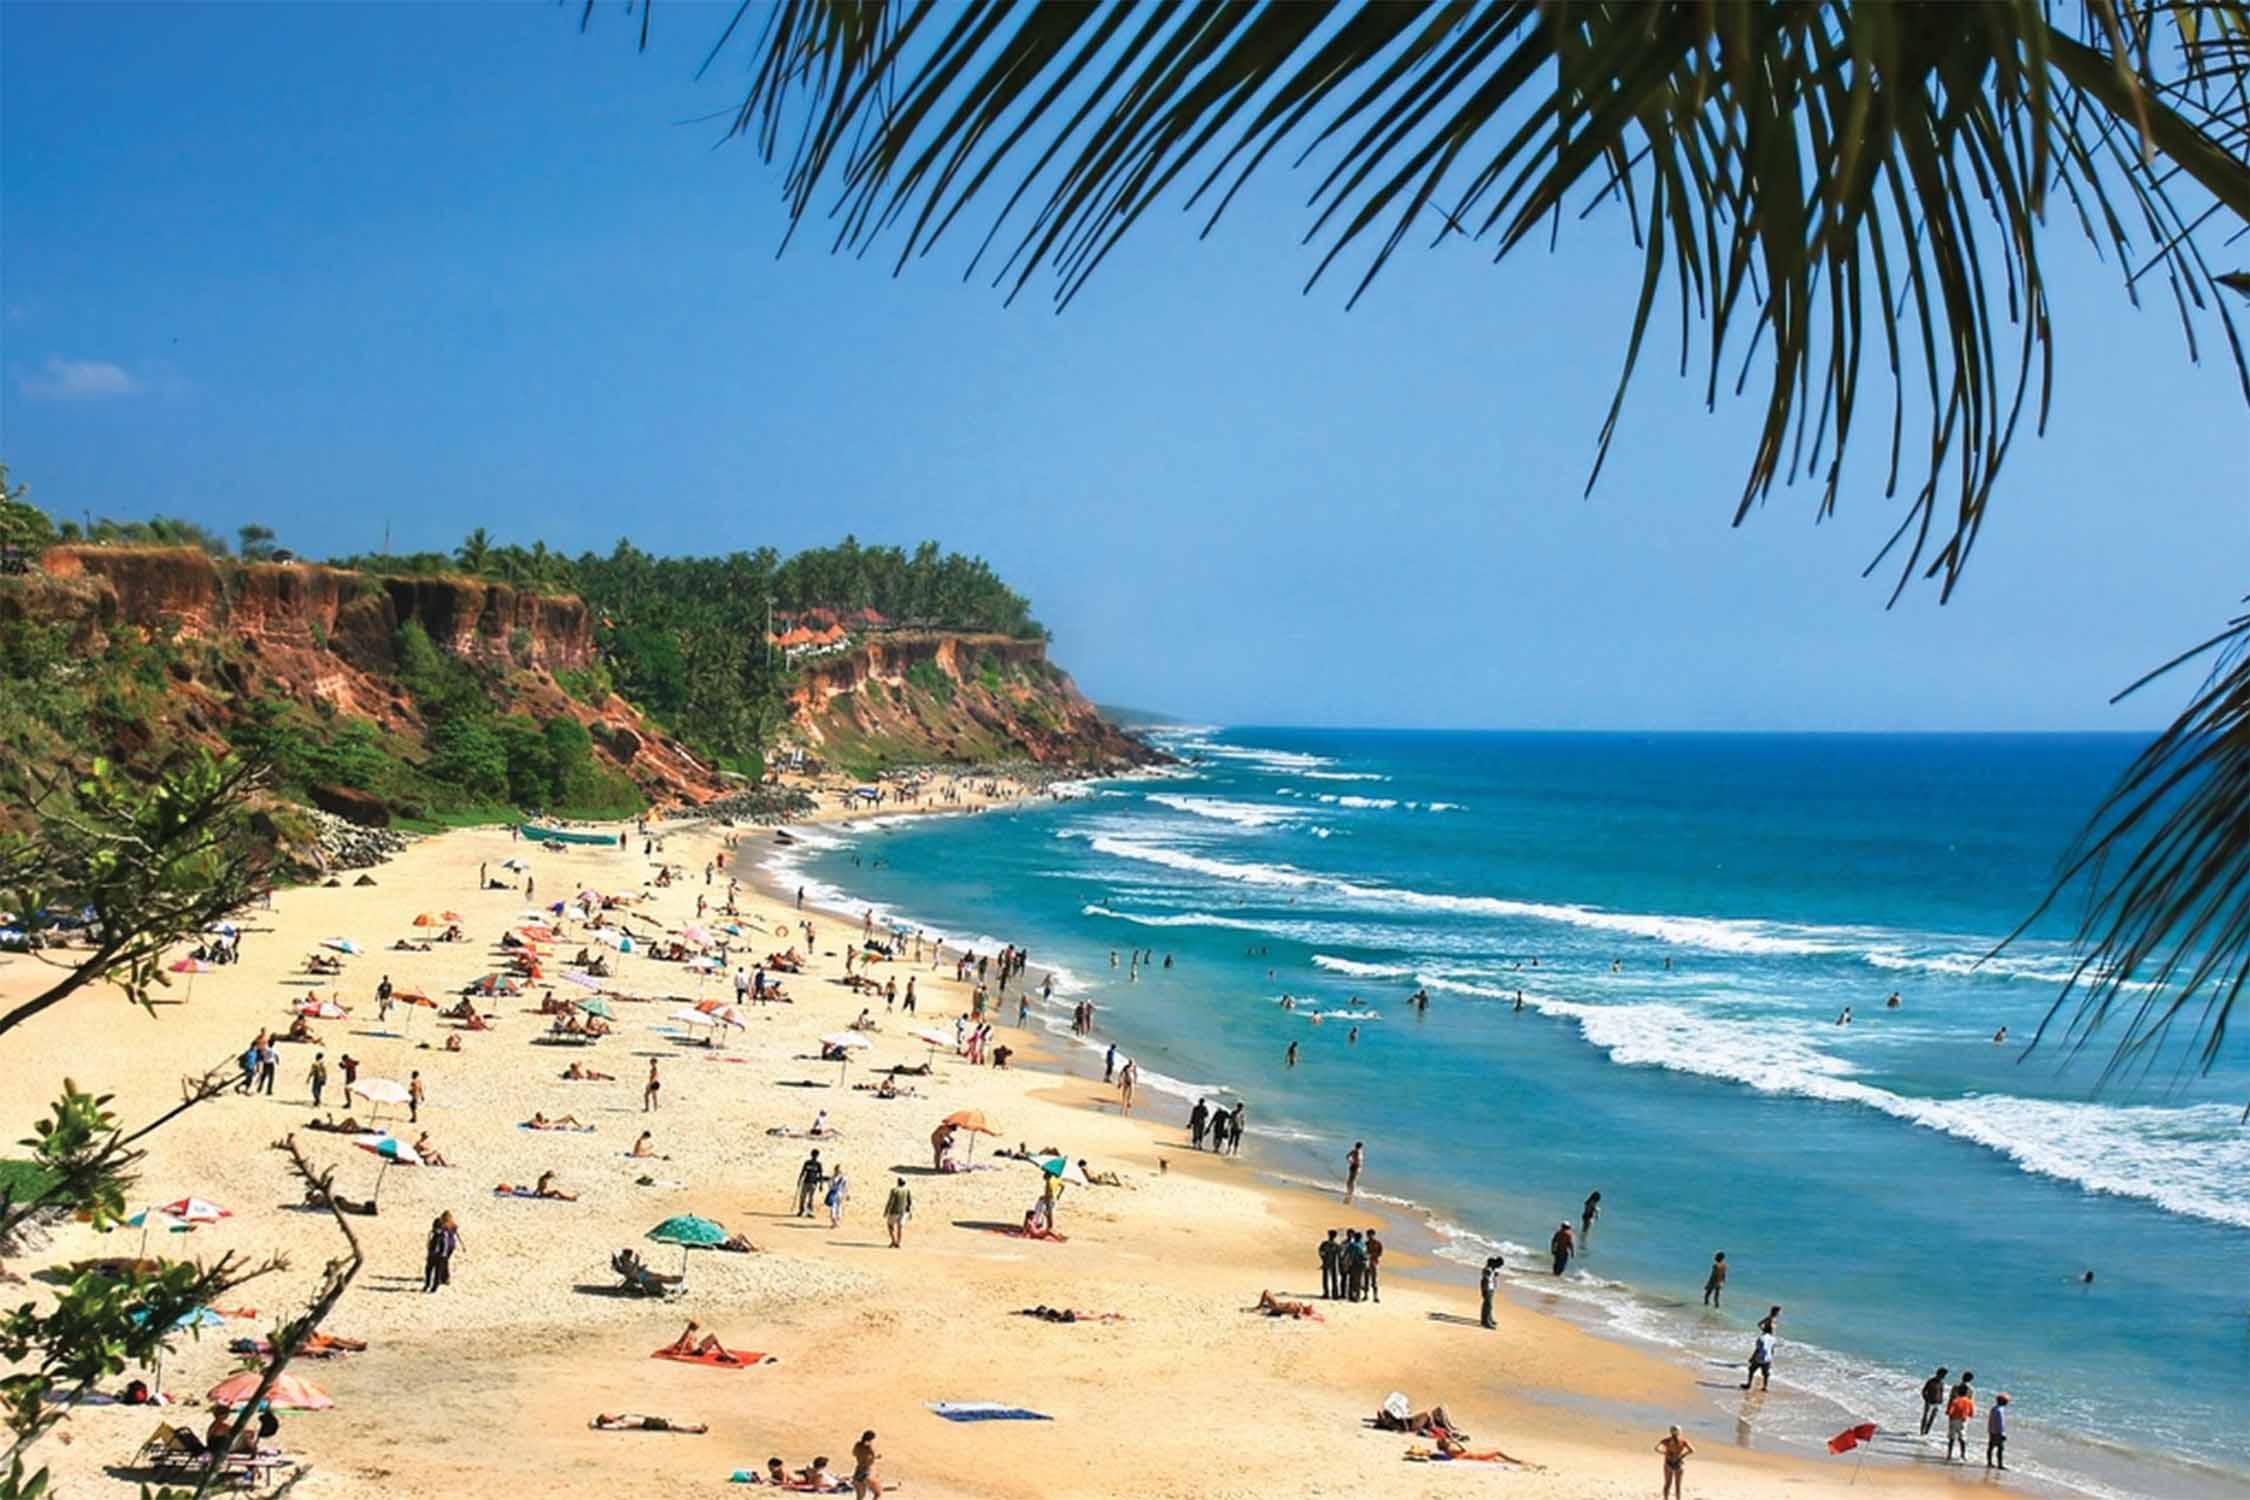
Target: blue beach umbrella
689 1232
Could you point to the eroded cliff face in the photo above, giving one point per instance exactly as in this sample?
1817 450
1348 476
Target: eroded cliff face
307 605
916 697
327 637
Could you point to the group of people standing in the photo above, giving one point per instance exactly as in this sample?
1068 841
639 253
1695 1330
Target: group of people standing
1959 1405
1221 1126
1351 1267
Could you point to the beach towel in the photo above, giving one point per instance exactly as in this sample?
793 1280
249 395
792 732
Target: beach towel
840 1487
985 1411
733 1359
505 1190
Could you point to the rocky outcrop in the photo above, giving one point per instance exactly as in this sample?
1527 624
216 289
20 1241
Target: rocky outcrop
339 844
912 697
352 805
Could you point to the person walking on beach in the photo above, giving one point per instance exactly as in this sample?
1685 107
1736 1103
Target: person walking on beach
1996 1433
808 1184
839 1193
1109 1064
1716 1283
414 1096
1761 1361
348 1065
1330 1252
1959 1412
1235 1127
1355 1159
437 1261
1933 1399
1199 1120
897 1209
1127 1076
864 1482
269 1064
906 1006
1488 1283
1675 1450
650 1091
1374 1265
1563 1245
317 1076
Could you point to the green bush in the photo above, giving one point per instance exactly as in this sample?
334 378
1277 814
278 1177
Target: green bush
467 754
519 645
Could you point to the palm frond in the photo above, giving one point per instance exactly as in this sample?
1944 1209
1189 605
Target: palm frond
1794 172
2165 937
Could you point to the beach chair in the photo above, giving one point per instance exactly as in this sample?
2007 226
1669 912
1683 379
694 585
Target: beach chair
171 1452
640 1279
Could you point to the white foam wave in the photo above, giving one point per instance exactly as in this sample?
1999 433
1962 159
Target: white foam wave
1358 970
1220 809
1358 802
1282 762
1346 776
2188 1159
1171 919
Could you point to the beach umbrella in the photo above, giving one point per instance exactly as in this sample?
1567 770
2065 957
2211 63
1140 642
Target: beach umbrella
597 1006
695 932
394 1153
703 963
450 916
934 1039
689 1232
221 929
514 864
380 1091
727 1015
323 1010
1061 1168
148 1217
193 1211
845 1042
190 967
583 981
428 919
289 1392
413 1000
341 945
390 1148
974 1122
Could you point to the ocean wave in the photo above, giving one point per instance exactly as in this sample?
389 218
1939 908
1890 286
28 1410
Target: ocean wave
1358 802
1171 919
1357 970
1219 809
1280 762
1346 776
2187 1159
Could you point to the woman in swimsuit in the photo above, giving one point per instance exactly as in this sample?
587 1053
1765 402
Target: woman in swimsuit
626 1421
1675 1450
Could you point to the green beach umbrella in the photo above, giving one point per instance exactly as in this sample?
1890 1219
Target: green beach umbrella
597 1006
689 1232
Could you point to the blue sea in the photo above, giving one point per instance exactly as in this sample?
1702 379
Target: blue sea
1684 917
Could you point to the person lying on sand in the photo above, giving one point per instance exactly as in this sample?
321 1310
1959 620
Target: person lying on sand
1282 1307
545 1188
539 1121
1451 1447
1068 1315
646 1146
739 1243
689 1346
1429 1423
429 1153
1101 1179
919 1070
345 1126
626 1421
577 1074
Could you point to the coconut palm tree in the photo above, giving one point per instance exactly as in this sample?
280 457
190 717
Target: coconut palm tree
475 554
1831 184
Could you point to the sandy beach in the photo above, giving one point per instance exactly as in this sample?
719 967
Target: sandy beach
488 1385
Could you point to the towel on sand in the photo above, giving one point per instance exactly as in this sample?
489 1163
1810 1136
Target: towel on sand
985 1411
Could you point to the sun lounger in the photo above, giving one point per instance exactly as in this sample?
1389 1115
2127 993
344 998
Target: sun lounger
178 1452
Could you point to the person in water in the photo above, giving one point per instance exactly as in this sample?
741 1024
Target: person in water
1715 1284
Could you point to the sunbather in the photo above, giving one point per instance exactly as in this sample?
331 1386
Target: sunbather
1422 1423
429 1153
577 1074
539 1121
626 1421
1101 1179
545 1188
1282 1307
688 1346
1450 1446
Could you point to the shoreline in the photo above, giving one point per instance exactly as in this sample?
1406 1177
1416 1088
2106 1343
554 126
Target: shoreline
1189 1396
1417 1234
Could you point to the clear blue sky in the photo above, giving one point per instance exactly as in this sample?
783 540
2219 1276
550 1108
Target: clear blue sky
332 267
